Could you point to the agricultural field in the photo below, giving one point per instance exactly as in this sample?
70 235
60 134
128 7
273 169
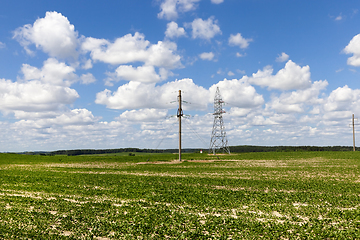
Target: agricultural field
278 195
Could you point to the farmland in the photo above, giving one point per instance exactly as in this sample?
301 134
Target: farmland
289 195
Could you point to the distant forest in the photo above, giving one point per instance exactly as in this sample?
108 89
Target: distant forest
233 149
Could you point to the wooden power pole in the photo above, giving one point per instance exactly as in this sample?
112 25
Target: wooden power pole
179 115
353 126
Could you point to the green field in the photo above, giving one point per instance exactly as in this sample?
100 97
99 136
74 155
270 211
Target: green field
278 195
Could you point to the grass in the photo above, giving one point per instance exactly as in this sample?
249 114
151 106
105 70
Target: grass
289 195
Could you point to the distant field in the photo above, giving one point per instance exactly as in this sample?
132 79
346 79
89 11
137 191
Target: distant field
126 154
274 195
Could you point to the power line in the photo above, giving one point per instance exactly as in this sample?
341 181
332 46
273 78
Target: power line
195 133
170 128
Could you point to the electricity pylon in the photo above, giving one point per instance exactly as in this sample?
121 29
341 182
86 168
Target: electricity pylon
218 141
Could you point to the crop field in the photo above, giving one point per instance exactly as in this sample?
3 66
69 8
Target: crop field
279 195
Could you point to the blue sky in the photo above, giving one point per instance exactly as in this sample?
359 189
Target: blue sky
91 74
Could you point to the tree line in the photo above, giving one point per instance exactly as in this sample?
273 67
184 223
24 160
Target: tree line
233 149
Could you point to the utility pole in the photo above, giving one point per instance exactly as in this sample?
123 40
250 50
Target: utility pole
218 136
353 126
179 115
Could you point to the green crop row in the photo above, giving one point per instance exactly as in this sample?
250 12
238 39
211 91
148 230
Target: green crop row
245 196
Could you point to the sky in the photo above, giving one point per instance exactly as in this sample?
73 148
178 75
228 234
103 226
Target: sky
106 74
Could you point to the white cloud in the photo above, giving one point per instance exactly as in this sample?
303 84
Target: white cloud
34 115
296 101
339 18
205 29
53 72
124 50
342 99
238 40
67 118
87 64
292 76
53 34
217 1
40 96
144 115
136 95
75 117
49 132
2 45
339 70
239 112
173 30
34 96
240 71
207 56
238 93
48 135
87 78
145 74
163 55
170 8
240 55
353 48
282 58
129 49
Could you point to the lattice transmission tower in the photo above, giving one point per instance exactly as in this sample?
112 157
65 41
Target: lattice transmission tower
219 142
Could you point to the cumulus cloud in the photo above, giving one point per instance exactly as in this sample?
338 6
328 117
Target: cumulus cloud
53 34
75 117
353 48
239 112
40 96
19 114
53 72
342 99
239 93
205 29
129 49
87 64
282 58
171 8
217 1
238 40
87 78
144 115
296 101
34 96
292 76
163 55
173 30
136 95
124 50
207 56
66 125
145 74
